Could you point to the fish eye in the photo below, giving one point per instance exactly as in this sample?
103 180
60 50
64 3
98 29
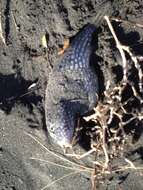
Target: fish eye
52 129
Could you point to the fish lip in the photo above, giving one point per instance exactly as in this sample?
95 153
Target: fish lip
65 144
62 142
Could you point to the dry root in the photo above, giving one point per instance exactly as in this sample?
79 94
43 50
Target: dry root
109 139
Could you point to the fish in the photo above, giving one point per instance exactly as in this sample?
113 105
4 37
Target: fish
72 88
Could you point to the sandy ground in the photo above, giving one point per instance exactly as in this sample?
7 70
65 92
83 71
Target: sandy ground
23 61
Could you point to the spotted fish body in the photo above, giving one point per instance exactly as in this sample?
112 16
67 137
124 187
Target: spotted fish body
72 88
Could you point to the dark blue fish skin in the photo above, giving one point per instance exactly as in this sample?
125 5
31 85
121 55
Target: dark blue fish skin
77 56
72 88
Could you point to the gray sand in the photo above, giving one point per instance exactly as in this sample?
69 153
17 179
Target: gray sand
23 61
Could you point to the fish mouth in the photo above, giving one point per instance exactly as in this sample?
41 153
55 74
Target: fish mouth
64 143
62 140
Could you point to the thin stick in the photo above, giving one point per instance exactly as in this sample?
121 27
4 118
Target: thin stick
57 180
1 34
123 168
131 163
15 23
59 165
120 48
54 154
127 22
82 155
104 146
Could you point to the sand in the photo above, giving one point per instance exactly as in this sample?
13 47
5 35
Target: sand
23 62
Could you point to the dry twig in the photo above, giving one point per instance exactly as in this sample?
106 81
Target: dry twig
1 33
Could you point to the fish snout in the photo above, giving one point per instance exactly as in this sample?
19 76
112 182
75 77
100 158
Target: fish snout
61 134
